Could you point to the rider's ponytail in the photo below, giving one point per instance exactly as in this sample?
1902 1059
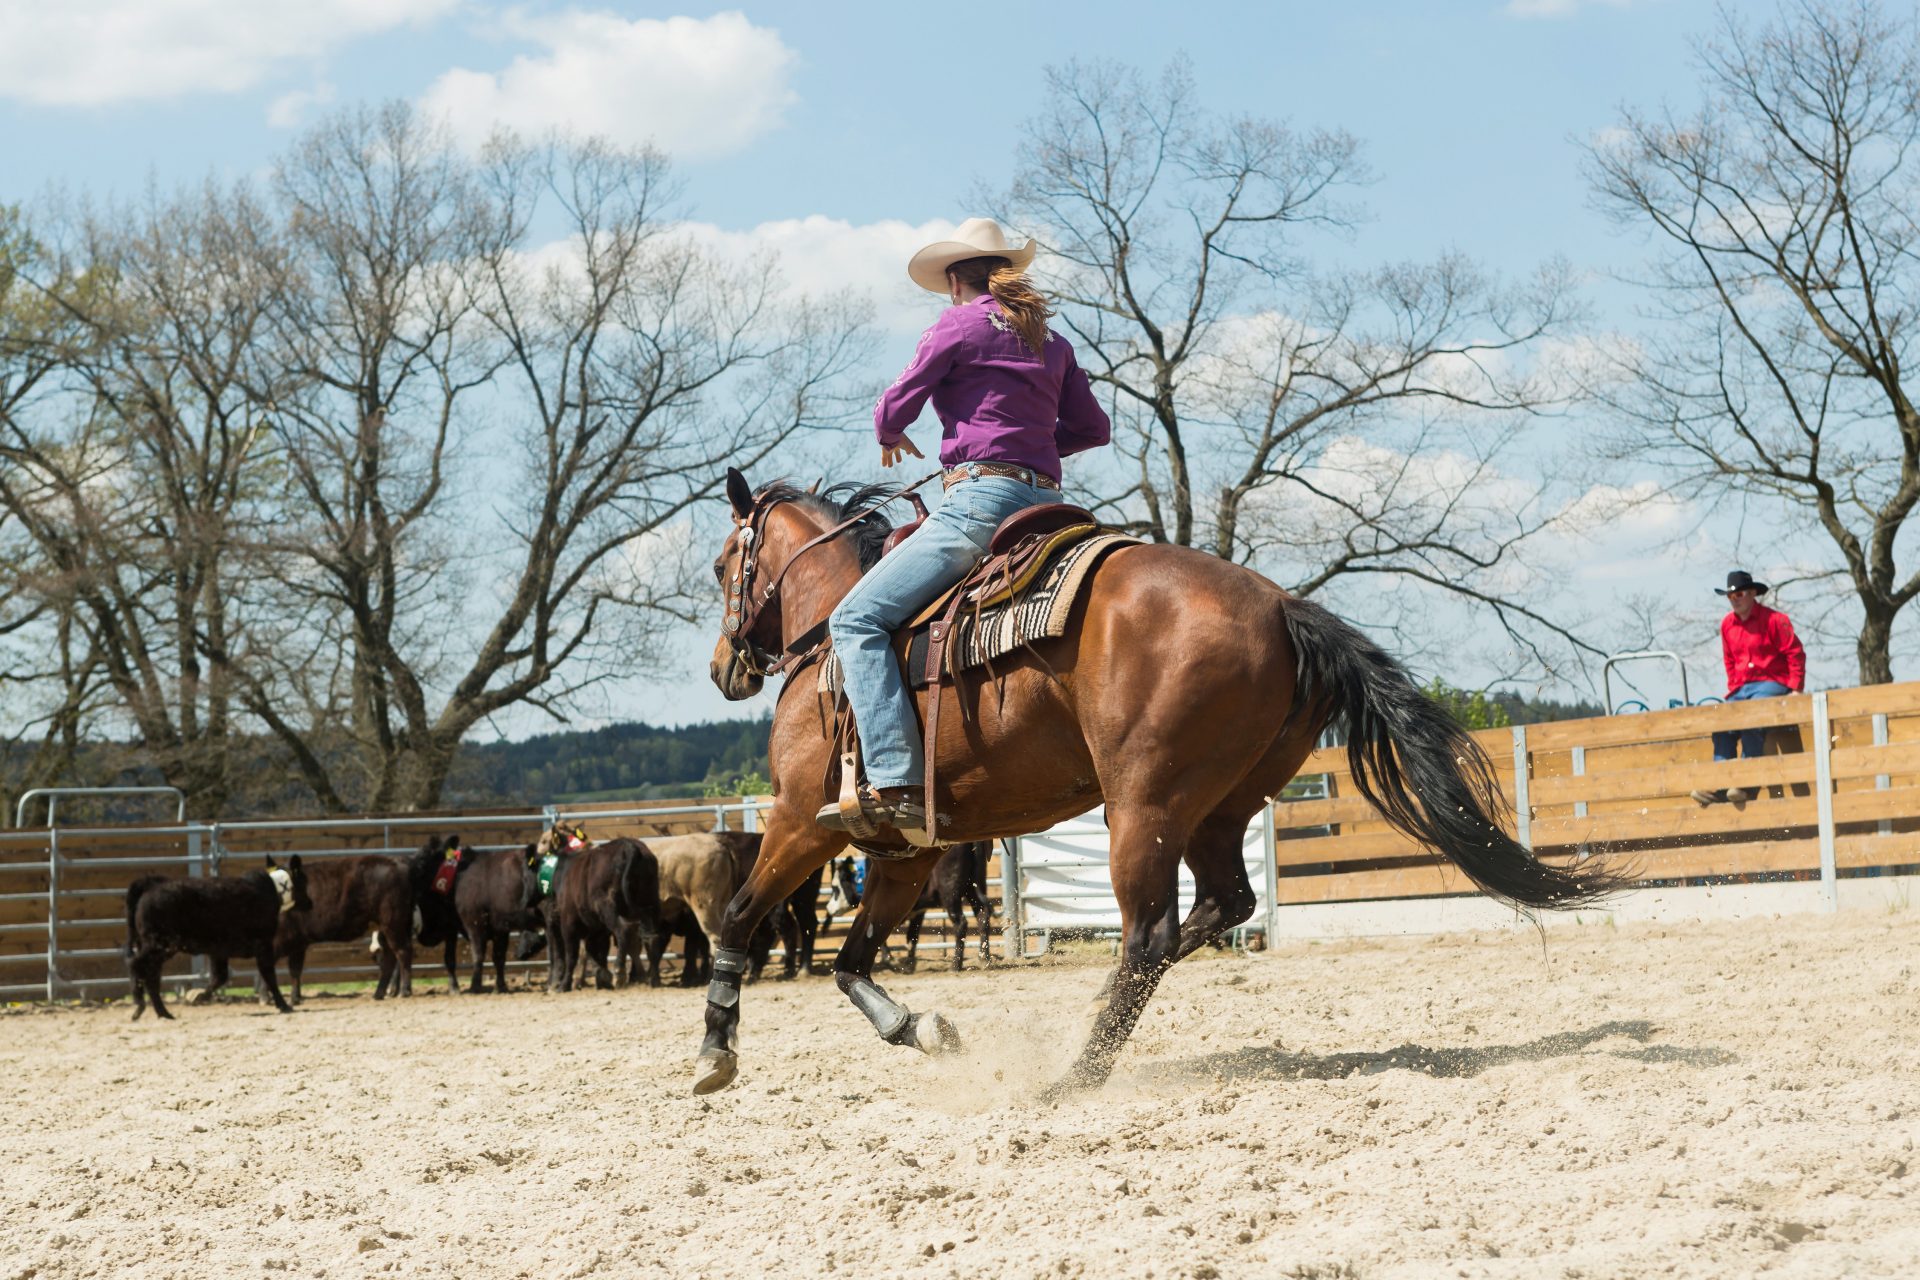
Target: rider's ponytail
1024 306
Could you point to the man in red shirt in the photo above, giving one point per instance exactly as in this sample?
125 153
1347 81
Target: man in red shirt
1764 660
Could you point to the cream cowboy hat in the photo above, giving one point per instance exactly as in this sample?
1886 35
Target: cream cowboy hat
974 238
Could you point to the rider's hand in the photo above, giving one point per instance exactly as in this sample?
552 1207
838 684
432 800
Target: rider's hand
892 453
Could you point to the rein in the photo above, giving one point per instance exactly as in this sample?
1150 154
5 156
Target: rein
744 608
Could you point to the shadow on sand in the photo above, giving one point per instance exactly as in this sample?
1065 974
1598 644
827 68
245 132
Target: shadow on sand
1258 1062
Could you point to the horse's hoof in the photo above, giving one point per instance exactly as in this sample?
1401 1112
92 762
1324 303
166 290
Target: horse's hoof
934 1035
714 1070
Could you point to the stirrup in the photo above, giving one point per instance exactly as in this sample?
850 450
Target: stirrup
910 820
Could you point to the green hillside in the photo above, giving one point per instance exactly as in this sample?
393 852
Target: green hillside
621 761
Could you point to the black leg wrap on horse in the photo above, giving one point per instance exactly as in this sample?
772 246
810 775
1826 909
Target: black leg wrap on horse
891 1020
729 965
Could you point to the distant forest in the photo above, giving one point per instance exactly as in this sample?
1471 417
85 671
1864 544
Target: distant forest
620 761
641 761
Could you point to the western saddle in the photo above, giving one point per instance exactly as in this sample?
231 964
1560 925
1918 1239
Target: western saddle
1019 549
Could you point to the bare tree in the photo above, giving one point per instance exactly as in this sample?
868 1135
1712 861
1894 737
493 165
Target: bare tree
1785 285
127 480
40 713
1238 374
495 440
328 475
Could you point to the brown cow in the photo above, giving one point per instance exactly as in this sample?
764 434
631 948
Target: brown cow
350 898
496 893
598 894
796 921
698 874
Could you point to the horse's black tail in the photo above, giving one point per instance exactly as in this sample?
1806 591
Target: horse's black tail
1428 778
134 891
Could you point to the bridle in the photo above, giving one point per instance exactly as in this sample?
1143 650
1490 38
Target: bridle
744 607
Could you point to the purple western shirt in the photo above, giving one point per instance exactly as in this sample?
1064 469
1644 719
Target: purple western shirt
997 401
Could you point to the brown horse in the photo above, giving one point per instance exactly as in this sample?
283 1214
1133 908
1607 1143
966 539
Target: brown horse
1186 693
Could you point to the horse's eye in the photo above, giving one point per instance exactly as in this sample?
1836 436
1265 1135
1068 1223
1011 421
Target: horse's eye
719 573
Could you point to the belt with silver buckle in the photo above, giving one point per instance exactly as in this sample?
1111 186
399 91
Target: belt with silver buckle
974 470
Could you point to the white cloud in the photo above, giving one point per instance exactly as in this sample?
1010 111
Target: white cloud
821 256
1558 8
816 256
690 86
93 52
289 109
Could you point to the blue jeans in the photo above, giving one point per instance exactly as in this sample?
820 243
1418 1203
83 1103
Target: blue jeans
932 559
1752 741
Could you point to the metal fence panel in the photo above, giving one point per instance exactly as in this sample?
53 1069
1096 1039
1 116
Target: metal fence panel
1065 880
62 925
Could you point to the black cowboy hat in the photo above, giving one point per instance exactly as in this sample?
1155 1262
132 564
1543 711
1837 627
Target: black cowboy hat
1740 579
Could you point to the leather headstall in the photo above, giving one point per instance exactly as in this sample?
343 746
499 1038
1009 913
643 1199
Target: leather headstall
744 607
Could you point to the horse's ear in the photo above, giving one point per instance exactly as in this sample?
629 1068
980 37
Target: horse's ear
271 863
815 486
739 493
293 863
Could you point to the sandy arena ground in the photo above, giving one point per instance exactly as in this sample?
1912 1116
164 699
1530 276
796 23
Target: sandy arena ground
1718 1100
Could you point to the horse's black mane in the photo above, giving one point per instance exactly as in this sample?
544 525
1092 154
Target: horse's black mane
837 503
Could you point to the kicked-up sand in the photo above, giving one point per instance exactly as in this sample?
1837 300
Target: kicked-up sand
1710 1100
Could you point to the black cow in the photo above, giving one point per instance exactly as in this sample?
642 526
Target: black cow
218 917
434 920
959 880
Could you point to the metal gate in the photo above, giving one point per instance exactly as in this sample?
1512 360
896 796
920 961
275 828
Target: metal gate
63 889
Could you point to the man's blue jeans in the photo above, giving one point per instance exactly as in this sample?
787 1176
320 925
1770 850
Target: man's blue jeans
932 559
1752 741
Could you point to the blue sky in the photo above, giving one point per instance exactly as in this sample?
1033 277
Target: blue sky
1466 107
839 131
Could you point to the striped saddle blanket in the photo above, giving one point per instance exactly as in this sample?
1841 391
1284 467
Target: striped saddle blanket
1037 611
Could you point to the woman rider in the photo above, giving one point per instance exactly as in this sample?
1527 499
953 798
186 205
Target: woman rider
1012 402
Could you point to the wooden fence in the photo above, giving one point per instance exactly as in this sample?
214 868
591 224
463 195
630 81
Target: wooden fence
1837 793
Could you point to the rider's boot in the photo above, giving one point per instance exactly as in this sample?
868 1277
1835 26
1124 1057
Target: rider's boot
902 808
